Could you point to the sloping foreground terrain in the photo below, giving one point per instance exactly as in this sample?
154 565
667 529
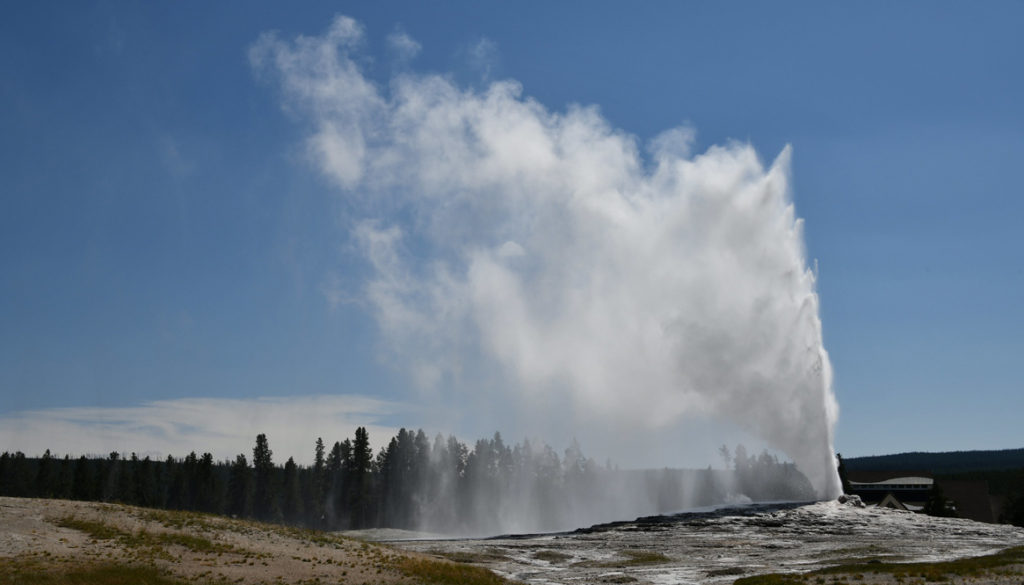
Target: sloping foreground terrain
55 542
816 544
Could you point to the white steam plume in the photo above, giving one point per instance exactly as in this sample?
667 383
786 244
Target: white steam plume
543 246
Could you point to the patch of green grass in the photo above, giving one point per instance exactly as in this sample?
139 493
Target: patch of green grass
177 519
189 541
152 540
472 557
725 572
551 556
772 579
619 579
644 557
632 558
96 530
443 573
13 572
931 572
317 537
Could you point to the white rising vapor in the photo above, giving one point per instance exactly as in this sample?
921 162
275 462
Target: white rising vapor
640 291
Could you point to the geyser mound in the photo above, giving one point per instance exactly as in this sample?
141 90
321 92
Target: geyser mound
532 259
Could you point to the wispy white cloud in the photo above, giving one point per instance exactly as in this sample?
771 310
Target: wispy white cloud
543 273
402 45
483 57
221 426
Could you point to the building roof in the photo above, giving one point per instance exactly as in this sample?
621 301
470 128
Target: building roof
884 476
902 482
891 502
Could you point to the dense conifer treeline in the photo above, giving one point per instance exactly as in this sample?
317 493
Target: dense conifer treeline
948 462
416 483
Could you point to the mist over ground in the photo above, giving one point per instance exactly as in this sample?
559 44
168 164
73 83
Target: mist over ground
544 269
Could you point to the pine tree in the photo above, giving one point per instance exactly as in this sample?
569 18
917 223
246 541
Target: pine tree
5 474
165 471
124 489
190 473
207 494
318 486
45 476
292 508
336 500
111 477
82 483
1013 511
146 491
65 478
176 484
238 488
938 504
388 470
361 467
21 474
265 492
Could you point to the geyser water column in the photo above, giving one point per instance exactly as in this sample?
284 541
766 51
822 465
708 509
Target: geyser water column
546 247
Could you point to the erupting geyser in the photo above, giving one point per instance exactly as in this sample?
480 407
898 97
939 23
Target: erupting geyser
542 258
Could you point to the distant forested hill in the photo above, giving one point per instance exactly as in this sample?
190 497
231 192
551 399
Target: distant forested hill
941 463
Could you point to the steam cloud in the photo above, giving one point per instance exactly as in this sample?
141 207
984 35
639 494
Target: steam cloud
534 259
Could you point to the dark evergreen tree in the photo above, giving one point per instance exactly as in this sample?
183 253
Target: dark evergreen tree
190 473
317 492
388 480
938 504
420 479
146 491
238 499
22 475
405 479
110 477
207 492
65 478
124 488
359 476
177 489
83 482
336 497
265 492
46 476
1013 510
170 483
5 474
292 508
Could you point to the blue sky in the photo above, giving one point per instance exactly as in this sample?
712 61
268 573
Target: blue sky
164 234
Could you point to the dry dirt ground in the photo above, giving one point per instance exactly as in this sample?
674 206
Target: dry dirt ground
48 535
